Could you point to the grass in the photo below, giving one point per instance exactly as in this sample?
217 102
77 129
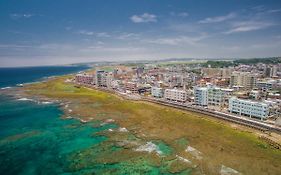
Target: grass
219 143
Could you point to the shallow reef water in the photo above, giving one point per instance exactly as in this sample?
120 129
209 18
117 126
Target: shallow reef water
35 139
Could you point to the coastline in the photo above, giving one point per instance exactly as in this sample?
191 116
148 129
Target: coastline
90 105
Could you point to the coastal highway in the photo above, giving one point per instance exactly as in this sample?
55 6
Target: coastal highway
220 115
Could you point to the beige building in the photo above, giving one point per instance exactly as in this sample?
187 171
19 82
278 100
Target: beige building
175 95
245 79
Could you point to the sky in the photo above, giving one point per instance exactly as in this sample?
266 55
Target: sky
50 32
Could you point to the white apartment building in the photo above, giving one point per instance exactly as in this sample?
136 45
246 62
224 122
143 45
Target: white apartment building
216 96
175 95
157 92
201 96
103 79
249 108
211 95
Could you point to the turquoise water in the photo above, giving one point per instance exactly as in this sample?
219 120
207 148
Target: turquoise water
35 140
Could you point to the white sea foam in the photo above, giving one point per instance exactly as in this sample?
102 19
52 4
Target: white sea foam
149 147
228 171
70 110
83 121
194 152
6 88
110 130
25 99
109 120
46 102
123 130
183 159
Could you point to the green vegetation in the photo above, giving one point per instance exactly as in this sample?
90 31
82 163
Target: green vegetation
218 64
273 60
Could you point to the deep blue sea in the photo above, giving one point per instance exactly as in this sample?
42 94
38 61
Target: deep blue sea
33 137
12 76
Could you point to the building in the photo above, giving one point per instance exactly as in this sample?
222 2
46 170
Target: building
175 95
212 95
131 87
248 108
244 79
271 71
84 79
216 96
157 92
103 79
201 96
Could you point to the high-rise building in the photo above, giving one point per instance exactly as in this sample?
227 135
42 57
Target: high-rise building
244 79
271 71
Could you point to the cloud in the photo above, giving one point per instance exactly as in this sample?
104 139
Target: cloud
259 8
217 18
102 34
91 33
179 40
247 26
181 14
274 11
19 16
124 36
144 18
124 49
84 32
13 46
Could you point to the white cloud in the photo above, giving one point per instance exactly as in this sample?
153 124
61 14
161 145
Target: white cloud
18 15
84 32
91 33
274 11
124 36
179 40
218 18
102 34
246 26
181 14
14 46
144 18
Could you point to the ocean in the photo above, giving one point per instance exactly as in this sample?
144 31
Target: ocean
33 137
19 75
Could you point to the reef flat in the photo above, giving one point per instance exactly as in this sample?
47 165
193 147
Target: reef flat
152 139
